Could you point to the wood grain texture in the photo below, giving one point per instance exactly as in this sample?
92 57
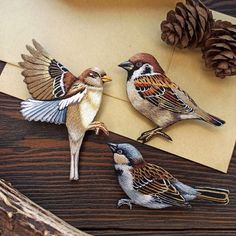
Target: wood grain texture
34 157
162 232
19 215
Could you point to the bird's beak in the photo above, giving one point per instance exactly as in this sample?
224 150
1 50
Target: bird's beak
112 146
127 65
106 78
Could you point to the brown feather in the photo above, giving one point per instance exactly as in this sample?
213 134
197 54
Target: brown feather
154 180
162 92
41 78
38 84
28 73
47 94
34 60
41 49
39 91
37 54
38 87
68 80
146 58
28 65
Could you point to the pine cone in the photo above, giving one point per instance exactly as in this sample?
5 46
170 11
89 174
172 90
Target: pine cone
219 50
188 25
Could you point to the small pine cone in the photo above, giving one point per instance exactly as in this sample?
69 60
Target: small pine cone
188 25
219 50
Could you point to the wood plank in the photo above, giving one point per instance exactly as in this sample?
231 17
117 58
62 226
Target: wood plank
20 216
163 232
34 157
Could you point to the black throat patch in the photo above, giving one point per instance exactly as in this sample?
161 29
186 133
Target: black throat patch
119 172
130 73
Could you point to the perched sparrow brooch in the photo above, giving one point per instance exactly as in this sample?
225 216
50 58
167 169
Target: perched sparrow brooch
151 186
154 95
60 97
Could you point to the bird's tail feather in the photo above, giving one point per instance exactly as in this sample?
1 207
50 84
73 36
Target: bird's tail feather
216 195
210 118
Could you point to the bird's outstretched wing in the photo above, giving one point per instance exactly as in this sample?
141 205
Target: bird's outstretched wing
52 86
162 92
155 181
45 77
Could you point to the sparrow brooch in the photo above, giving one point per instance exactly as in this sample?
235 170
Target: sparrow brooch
59 97
151 186
154 95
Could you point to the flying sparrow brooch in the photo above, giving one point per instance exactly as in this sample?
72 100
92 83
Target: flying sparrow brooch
154 95
59 97
151 186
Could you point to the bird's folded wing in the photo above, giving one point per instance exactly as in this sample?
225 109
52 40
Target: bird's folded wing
45 77
155 181
162 92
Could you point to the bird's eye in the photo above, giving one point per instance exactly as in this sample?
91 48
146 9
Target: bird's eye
139 64
94 75
119 151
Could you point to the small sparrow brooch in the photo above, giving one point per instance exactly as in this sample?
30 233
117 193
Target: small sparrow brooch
154 95
151 186
59 97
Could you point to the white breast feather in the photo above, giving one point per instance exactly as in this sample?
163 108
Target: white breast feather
90 106
126 182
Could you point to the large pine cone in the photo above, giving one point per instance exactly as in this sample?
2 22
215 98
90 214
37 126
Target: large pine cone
219 50
188 25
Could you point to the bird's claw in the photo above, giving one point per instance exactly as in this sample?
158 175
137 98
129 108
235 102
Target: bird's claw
97 126
146 136
124 202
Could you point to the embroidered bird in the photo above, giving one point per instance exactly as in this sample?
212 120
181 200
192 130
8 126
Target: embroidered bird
151 186
162 101
59 97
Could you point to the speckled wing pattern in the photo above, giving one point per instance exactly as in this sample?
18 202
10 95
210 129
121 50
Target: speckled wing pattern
45 77
162 92
155 181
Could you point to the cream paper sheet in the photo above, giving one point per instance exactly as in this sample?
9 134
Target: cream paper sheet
104 33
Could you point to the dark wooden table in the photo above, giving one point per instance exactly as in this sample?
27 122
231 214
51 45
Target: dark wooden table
34 157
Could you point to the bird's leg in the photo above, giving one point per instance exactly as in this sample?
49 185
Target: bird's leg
74 164
146 136
97 126
74 175
125 202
